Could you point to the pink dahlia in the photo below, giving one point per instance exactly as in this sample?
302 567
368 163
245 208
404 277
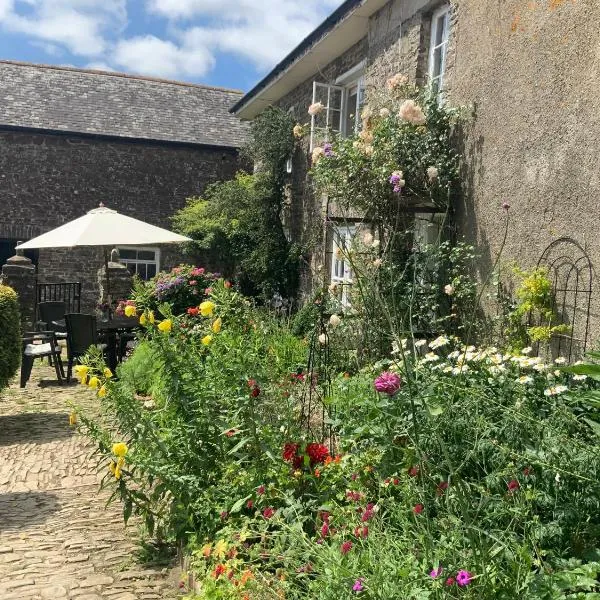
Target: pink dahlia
388 383
463 578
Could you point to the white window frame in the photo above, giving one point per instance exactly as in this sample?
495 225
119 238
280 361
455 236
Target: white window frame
289 163
341 270
441 17
136 261
349 80
329 110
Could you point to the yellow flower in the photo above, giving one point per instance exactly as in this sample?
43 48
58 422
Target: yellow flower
81 370
165 326
216 326
207 308
72 418
120 449
94 382
112 466
130 311
220 549
206 340
117 473
147 317
84 380
102 392
107 373
121 462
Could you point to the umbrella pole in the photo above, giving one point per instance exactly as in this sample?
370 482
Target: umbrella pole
108 298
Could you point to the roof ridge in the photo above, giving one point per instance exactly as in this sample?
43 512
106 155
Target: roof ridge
119 74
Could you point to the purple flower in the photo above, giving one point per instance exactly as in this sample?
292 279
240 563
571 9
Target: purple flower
436 572
358 586
388 383
463 578
328 150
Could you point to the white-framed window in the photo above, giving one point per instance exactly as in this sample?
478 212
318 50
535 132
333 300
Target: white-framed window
343 104
289 163
341 269
438 47
144 262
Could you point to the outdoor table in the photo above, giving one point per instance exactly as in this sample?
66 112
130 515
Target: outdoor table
111 329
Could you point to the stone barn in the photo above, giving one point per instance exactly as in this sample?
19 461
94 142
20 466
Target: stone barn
71 139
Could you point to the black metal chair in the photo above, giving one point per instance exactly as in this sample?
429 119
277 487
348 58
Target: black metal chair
40 344
82 333
50 314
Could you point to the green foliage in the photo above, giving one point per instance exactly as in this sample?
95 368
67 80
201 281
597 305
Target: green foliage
534 300
357 171
10 335
238 222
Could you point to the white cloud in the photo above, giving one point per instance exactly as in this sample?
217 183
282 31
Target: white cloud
261 32
80 26
153 56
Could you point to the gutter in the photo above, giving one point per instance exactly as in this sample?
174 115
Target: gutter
321 31
117 138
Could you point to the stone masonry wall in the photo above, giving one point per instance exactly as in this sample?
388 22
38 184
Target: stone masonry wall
47 180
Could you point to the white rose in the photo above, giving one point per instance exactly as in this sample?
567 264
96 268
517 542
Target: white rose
449 289
334 321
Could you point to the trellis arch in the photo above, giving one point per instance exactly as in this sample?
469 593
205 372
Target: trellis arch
570 270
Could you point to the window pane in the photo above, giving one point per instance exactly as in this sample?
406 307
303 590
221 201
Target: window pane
131 268
335 99
150 270
437 61
440 29
350 120
147 255
334 121
125 253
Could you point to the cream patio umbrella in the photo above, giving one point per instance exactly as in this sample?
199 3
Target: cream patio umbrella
106 228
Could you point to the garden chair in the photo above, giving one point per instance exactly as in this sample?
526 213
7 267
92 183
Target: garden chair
51 313
40 344
82 333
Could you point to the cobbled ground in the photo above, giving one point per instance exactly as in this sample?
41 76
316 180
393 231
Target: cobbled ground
58 539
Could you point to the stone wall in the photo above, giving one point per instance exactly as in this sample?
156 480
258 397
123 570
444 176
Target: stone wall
49 179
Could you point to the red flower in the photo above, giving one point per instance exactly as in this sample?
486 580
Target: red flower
450 581
441 488
219 570
290 451
224 515
268 512
527 471
260 490
250 504
513 485
414 471
346 547
418 509
193 282
317 453
354 496
251 383
324 529
368 514
396 481
230 433
255 391
193 311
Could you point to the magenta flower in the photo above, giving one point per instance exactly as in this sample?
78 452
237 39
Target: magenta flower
436 572
513 485
358 586
463 578
388 383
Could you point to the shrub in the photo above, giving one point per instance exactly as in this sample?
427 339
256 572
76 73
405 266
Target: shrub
10 335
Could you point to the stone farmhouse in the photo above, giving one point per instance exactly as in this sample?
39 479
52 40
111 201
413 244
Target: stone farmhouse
70 139
528 70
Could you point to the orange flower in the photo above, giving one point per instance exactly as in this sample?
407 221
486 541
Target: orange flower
338 459
246 576
328 460
317 473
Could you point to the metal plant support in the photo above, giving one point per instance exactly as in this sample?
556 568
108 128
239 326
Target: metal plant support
570 270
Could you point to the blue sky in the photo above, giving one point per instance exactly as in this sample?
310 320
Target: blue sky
230 43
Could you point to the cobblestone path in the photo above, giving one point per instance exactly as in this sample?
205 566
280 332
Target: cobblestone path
57 539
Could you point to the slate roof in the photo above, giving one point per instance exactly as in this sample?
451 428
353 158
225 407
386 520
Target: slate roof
129 106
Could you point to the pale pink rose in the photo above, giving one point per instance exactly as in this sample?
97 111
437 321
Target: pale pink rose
432 173
396 81
410 111
315 109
